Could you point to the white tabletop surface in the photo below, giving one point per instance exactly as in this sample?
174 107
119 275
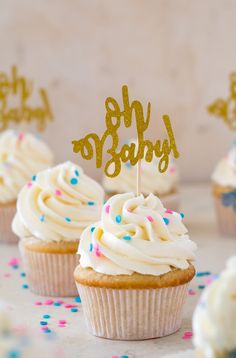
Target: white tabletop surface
212 253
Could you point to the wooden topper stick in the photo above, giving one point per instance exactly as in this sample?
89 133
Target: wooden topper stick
139 178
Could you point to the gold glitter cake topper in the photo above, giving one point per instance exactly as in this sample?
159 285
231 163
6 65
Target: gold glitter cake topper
17 89
226 109
92 145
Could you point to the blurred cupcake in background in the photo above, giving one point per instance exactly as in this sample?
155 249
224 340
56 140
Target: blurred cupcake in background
214 320
51 214
22 155
164 185
224 192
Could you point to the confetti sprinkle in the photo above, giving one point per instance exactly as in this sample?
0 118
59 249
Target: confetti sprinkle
43 323
58 192
14 263
34 177
43 328
191 292
91 203
49 302
78 299
47 331
38 303
172 170
166 221
23 274
182 215
42 218
46 316
118 219
62 321
57 304
69 305
107 209
29 184
203 273
187 335
74 309
92 228
150 218
25 286
74 181
68 219
76 173
201 287
97 250
169 211
127 238
61 325
91 247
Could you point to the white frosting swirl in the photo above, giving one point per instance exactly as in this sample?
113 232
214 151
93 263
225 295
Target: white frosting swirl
58 205
214 320
136 234
21 156
225 172
152 180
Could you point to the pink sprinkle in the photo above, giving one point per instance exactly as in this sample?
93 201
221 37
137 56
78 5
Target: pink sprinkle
44 328
61 325
14 262
97 250
187 335
107 209
38 303
21 136
49 302
68 305
29 184
208 281
172 170
115 357
58 192
169 212
191 292
60 301
62 321
150 218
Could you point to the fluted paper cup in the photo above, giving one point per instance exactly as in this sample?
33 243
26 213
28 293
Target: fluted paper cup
132 314
7 213
50 274
226 217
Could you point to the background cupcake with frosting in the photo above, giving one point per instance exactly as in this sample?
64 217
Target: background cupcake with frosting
224 192
22 155
52 211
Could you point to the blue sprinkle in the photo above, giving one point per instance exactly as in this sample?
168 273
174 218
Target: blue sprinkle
92 228
46 316
14 354
204 273
74 309
91 247
47 331
91 203
166 221
201 287
124 356
127 237
182 215
118 219
68 219
23 274
78 299
57 304
34 177
15 267
25 286
74 181
42 218
76 173
43 323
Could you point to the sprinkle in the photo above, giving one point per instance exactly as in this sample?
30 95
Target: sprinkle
118 219
91 203
58 192
78 299
182 215
46 316
90 247
74 181
21 136
97 250
43 323
76 173
92 229
187 335
61 325
42 218
172 170
43 328
201 287
62 321
49 302
14 262
150 218
47 331
60 301
68 219
23 274
191 292
124 356
127 238
14 354
57 304
166 221
169 211
74 309
34 177
29 184
25 286
204 273
38 303
69 305
107 209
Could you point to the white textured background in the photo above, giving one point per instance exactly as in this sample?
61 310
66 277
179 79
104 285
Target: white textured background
175 53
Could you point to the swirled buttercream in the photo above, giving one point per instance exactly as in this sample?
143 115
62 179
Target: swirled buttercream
58 204
136 234
21 156
225 172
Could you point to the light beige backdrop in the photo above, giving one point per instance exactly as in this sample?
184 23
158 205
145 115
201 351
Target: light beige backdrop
175 53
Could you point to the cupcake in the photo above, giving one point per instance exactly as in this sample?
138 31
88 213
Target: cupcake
52 212
135 267
164 185
224 192
214 320
21 156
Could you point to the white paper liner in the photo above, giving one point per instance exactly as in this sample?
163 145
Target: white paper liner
50 274
226 217
6 216
132 314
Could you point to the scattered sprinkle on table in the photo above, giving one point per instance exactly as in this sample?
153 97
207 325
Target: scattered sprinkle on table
203 273
43 323
25 286
201 287
187 335
91 203
74 309
23 274
46 316
78 299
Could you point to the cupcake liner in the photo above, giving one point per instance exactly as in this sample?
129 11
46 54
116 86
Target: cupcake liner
50 274
6 216
171 201
226 217
132 314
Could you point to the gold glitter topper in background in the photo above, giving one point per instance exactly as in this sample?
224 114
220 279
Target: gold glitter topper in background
17 89
226 109
92 145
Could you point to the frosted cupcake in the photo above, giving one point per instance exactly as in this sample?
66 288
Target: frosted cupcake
52 212
21 156
224 192
214 320
135 268
164 185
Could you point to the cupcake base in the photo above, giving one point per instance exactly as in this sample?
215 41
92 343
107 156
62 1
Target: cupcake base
50 268
7 213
